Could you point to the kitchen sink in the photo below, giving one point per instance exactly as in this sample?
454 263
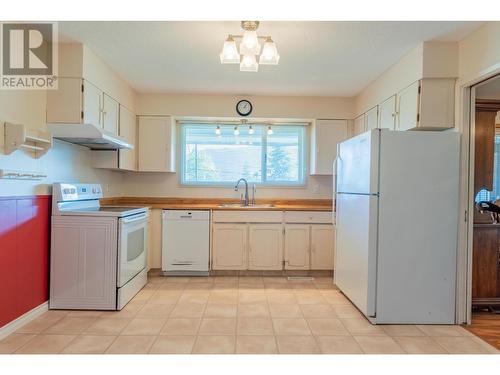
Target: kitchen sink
239 205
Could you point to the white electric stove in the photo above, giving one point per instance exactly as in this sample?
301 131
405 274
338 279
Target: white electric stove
98 253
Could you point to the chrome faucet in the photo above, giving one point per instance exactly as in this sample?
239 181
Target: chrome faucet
245 201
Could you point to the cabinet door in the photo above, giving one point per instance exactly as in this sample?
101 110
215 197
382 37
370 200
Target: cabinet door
437 103
64 105
387 114
110 114
297 246
359 125
485 265
92 104
407 111
156 140
127 158
265 251
371 119
322 246
229 247
326 134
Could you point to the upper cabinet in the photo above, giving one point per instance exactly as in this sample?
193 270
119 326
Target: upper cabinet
428 104
387 114
123 159
156 144
127 159
407 107
325 135
74 100
371 119
110 113
77 101
359 125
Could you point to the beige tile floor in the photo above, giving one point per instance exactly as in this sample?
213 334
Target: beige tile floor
260 315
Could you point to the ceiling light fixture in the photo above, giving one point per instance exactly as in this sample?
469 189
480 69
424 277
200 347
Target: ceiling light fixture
250 130
249 49
217 130
270 130
236 131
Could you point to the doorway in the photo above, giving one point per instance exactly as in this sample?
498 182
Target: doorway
485 212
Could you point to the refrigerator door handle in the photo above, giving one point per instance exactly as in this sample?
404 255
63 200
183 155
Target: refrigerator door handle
335 164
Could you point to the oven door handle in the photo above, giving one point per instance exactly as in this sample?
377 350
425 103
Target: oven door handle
132 219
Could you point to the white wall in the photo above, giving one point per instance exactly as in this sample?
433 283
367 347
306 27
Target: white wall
161 184
479 52
263 106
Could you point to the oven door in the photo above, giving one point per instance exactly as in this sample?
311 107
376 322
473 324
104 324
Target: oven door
132 246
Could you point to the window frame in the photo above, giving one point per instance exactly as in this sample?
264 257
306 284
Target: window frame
302 157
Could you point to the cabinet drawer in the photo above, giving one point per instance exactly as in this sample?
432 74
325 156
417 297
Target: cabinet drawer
320 217
247 216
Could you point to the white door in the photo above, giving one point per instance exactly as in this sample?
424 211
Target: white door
387 114
327 134
371 119
297 247
322 246
359 125
408 104
127 159
92 104
64 105
356 249
110 114
229 250
265 251
155 150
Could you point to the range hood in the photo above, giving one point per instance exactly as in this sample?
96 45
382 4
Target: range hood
89 136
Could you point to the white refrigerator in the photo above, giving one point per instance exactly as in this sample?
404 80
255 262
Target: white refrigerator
396 225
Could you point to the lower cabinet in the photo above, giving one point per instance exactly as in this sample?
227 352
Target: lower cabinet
297 246
265 251
293 241
229 247
322 247
309 246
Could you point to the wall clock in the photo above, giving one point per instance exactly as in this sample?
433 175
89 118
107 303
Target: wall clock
244 107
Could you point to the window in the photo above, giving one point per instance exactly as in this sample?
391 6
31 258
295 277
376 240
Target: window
219 159
485 195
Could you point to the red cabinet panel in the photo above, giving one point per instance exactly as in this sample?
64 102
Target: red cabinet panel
24 255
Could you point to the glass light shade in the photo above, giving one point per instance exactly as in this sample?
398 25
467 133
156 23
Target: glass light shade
236 131
249 64
250 130
229 54
269 54
217 130
250 43
270 130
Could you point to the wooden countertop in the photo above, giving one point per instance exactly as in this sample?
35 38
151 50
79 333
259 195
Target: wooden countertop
214 203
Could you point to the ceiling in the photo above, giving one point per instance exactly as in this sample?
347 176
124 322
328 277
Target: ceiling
317 58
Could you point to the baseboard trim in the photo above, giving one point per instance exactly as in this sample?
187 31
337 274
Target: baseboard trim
23 319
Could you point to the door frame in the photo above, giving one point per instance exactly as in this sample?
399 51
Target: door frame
465 97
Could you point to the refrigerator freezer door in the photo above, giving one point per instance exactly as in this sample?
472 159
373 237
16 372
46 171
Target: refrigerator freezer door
356 249
357 164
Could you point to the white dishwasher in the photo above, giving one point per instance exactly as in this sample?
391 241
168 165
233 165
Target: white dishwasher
185 243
